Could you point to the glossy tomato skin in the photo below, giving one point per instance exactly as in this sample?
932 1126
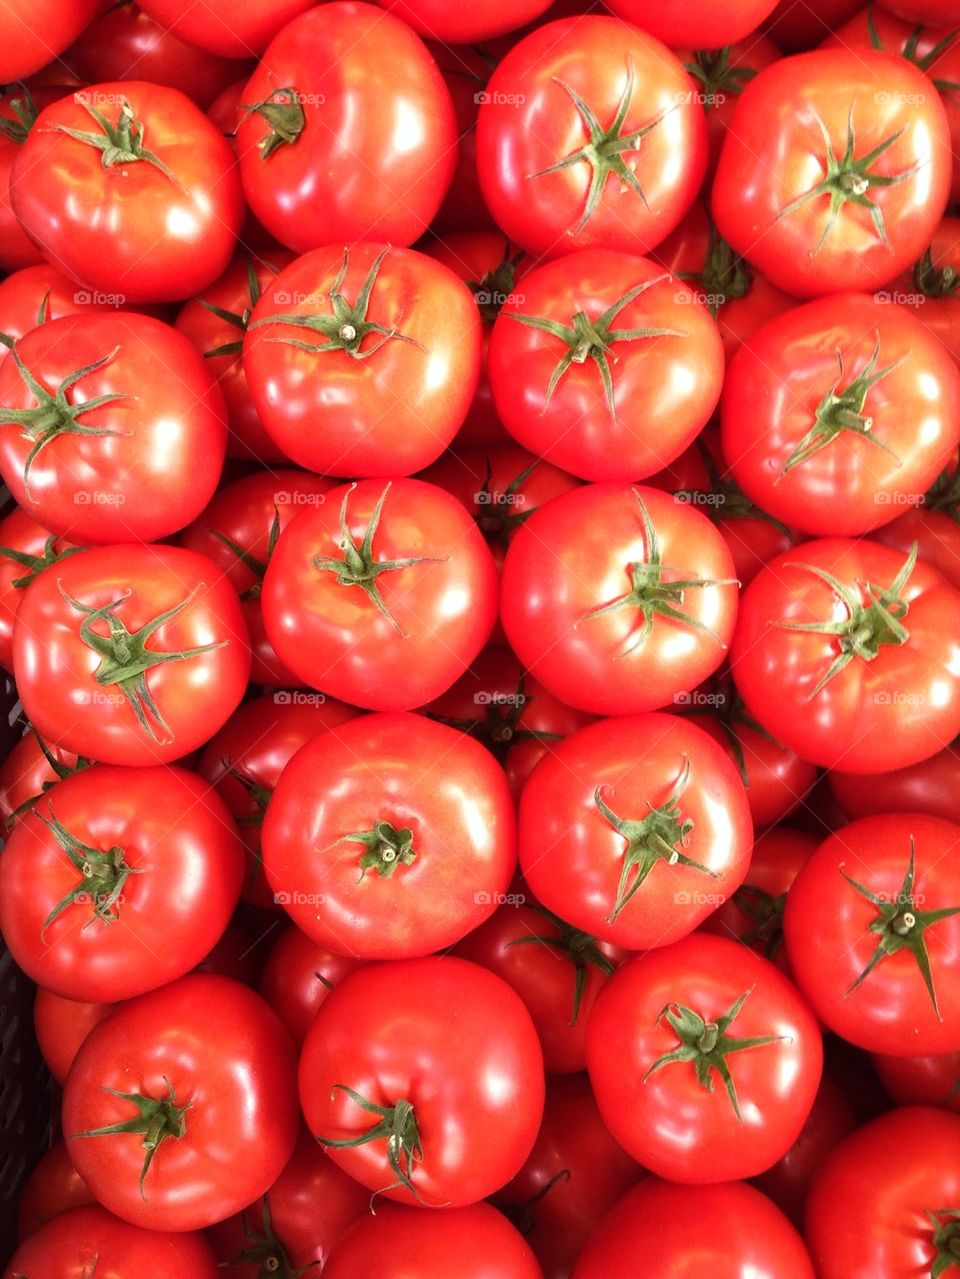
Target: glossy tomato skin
936 532
664 386
370 163
240 1128
791 366
602 664
528 122
245 759
55 668
887 1204
738 1228
35 294
775 153
889 1009
671 1123
90 1236
297 978
235 532
872 716
393 410
52 1188
707 24
930 288
446 792
17 115
920 1081
464 1052
234 30
34 31
475 1242
26 774
572 856
106 235
185 869
157 459
440 21
61 1025
26 549
444 606
932 786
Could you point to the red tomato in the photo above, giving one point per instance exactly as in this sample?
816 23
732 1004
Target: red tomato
941 11
349 132
219 1109
465 70
835 171
704 1060
61 1025
130 654
390 837
28 771
115 428
459 1094
421 603
168 229
234 29
933 525
443 21
932 289
52 1188
932 787
898 1219
589 136
734 1227
118 881
800 26
297 978
636 829
848 653
26 550
921 1081
633 605
707 24
37 294
34 31
615 344
18 113
873 937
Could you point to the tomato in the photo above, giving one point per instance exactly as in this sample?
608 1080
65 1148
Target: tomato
52 1188
932 289
238 531
556 969
61 1025
349 132
739 299
88 1241
163 233
897 1219
839 413
921 1081
295 1225
574 1174
670 1230
704 1060
940 11
19 108
932 524
130 654
846 652
37 294
636 829
884 972
219 1109
835 171
34 31
800 26
125 42
118 881
461 1088
421 603
473 1243
633 606
708 24
26 550
441 21
215 323
115 428
245 759
297 978
29 770
932 787
465 70
363 361
391 836
238 29
589 136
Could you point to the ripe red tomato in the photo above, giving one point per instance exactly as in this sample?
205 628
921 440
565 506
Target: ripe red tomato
920 1081
27 773
38 294
835 171
635 829
589 136
633 605
118 881
130 654
704 1060
19 108
873 937
297 978
453 25
459 1095
936 11
421 599
390 837
208 1121
847 652
615 344
838 414
61 1025
931 290
932 523
52 1188
348 132
898 1218
932 787
34 31
363 361
115 428
165 231
234 29
706 24
736 1227
26 550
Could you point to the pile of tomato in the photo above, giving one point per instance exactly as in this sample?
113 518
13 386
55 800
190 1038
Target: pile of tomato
481 582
